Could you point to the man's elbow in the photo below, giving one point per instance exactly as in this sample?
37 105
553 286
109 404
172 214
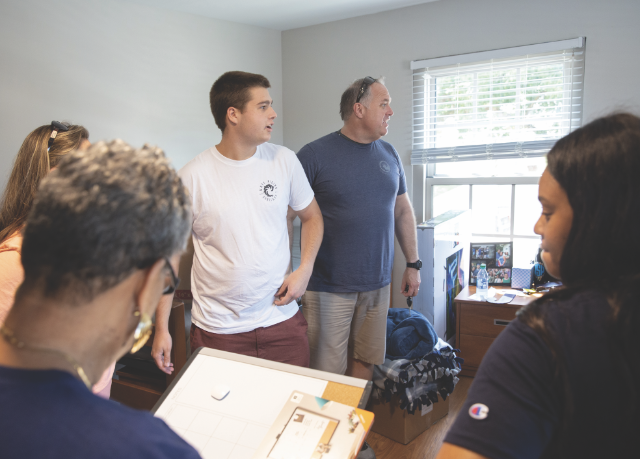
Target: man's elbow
291 215
401 215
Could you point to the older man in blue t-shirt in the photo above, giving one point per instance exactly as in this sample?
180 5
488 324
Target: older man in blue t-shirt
360 186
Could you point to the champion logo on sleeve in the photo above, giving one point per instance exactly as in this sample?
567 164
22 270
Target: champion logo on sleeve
479 411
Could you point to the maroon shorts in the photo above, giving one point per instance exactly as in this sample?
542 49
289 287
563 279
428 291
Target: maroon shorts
285 342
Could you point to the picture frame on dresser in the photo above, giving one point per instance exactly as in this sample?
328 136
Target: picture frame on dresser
498 259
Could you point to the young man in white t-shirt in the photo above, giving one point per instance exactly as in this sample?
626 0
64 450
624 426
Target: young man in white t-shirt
244 300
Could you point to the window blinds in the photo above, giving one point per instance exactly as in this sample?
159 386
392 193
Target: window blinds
508 103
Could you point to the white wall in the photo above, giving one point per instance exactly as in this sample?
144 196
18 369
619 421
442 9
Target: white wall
319 62
122 70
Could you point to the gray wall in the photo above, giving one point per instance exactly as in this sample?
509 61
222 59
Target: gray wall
122 70
320 61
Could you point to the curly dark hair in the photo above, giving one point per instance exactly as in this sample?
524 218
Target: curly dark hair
102 214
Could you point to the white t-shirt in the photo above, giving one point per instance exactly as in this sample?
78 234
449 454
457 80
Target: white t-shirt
240 238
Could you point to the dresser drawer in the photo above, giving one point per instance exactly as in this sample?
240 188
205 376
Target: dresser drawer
472 350
483 320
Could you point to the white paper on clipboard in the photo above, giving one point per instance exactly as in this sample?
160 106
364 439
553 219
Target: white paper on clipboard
302 435
235 426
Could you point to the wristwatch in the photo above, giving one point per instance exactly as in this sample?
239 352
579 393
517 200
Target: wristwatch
417 265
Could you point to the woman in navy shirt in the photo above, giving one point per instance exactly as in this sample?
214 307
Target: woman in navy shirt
563 380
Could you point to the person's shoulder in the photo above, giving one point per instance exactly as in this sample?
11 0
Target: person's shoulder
102 428
383 144
142 434
274 150
276 155
196 164
322 143
12 243
315 151
574 306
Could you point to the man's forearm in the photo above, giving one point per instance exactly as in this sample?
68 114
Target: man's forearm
407 234
162 314
291 216
311 237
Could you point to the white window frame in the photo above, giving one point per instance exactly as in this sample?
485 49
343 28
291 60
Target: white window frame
423 171
430 181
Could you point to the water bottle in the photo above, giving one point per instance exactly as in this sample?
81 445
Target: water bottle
483 282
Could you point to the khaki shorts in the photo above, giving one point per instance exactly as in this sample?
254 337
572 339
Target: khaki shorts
342 324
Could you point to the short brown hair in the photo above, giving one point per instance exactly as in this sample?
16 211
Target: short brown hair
350 95
232 90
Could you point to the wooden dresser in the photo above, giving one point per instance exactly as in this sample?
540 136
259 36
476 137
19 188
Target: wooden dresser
478 324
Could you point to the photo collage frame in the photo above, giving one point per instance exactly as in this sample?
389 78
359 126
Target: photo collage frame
498 258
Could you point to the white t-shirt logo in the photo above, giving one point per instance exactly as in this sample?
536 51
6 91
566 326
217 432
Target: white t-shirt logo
269 190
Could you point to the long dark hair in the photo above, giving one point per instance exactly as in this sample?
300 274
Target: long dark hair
32 163
598 166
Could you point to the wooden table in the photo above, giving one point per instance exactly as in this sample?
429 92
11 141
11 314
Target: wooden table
478 324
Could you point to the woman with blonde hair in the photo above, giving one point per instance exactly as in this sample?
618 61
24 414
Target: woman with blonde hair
40 152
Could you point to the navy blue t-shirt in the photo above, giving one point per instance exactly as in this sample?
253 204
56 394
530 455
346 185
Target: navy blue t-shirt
50 414
516 383
356 186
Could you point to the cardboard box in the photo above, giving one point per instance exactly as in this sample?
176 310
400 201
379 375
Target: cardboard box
398 425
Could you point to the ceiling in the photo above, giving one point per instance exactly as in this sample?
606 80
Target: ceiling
280 14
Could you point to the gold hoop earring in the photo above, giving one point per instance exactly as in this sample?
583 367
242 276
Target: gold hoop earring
143 331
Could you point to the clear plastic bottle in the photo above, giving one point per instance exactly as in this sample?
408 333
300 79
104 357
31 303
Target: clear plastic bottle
482 288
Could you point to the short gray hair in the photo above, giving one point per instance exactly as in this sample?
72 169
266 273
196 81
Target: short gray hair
102 214
349 96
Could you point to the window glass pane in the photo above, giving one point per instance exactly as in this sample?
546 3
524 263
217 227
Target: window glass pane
521 167
449 197
527 210
491 206
475 239
524 251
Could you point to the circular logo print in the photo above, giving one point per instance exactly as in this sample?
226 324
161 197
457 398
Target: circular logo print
479 411
384 167
268 190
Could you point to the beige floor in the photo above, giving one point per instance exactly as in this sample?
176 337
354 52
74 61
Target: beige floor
427 445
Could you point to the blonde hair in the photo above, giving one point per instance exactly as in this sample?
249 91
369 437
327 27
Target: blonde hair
31 165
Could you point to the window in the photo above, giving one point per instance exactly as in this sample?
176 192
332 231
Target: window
500 211
482 125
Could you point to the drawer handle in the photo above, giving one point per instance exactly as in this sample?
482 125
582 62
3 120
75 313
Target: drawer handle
502 323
